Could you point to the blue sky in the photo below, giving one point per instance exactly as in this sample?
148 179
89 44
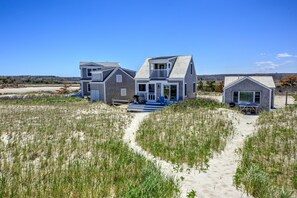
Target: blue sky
51 37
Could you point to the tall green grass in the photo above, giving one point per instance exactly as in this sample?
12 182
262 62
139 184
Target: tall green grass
187 132
269 158
50 148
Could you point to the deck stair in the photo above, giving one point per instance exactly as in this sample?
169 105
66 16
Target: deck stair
144 107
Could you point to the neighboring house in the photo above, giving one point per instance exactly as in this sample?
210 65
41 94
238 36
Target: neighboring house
171 77
250 89
105 81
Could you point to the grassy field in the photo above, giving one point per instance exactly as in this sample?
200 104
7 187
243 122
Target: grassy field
269 159
188 132
67 147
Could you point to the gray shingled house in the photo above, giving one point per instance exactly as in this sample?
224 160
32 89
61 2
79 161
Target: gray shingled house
106 81
258 90
172 78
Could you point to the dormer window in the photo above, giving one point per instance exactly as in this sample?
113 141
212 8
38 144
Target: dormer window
169 65
160 66
97 76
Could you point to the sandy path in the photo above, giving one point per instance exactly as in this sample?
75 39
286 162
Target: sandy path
217 181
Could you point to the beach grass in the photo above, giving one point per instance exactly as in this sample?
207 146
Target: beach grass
68 147
188 132
268 167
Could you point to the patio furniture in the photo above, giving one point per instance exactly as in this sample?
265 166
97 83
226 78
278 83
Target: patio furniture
248 107
162 100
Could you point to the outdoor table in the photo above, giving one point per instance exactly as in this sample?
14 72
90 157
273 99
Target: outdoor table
248 107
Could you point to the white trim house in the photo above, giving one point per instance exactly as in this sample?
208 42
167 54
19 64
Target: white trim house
173 77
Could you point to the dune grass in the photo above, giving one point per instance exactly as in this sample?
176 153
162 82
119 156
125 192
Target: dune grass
269 158
71 148
187 132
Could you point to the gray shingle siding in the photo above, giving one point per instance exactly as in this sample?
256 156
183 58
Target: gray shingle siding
248 85
84 74
100 87
85 89
190 79
113 89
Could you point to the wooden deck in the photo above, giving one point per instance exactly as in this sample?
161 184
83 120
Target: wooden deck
144 107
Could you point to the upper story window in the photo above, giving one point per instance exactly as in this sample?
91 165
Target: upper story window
160 66
119 78
89 72
191 68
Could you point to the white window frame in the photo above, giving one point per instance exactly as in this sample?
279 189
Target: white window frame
254 96
177 90
119 78
123 92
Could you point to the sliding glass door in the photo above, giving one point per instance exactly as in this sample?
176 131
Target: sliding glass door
170 92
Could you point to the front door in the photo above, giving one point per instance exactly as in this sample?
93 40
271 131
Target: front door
94 95
151 92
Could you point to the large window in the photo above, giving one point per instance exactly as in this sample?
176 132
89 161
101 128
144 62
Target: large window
141 87
247 96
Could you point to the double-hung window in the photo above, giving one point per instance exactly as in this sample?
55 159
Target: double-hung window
119 78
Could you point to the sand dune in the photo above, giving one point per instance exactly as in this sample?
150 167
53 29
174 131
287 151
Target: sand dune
217 181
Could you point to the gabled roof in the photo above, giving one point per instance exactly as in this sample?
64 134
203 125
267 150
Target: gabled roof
144 71
111 71
179 69
104 64
266 81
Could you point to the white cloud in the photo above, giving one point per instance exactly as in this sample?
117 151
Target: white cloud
266 65
284 55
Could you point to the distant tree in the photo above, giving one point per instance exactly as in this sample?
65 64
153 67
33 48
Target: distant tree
290 81
220 87
64 89
200 86
210 85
